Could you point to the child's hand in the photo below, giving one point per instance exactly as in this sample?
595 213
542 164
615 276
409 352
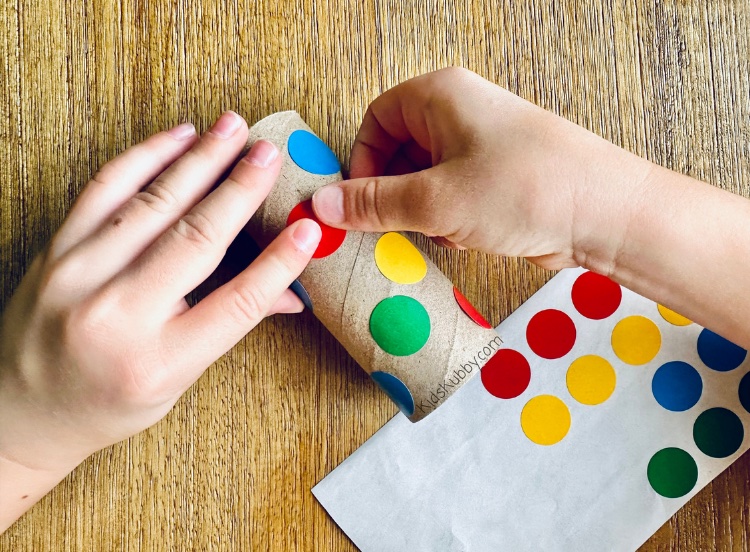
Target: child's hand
98 342
453 156
478 167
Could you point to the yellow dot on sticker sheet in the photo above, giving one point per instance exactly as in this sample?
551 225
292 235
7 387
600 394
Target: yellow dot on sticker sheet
591 379
672 317
545 420
399 260
636 340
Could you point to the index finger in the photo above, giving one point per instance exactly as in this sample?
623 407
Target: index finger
201 335
386 127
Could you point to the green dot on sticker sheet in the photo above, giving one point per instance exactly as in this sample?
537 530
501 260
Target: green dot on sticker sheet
672 472
400 325
718 432
396 390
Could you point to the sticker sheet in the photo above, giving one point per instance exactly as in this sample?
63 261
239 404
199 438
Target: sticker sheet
601 416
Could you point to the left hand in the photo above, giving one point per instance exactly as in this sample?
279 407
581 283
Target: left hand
98 342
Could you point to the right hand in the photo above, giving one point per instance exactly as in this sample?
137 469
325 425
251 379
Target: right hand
472 165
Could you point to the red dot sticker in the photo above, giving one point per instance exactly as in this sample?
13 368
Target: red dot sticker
469 309
507 374
331 239
551 334
596 296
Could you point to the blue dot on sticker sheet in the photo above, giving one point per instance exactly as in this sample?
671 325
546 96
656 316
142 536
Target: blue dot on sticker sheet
745 392
311 154
718 353
677 386
396 390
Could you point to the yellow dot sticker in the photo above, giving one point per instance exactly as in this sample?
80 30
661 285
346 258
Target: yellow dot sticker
398 259
545 420
591 379
636 340
672 317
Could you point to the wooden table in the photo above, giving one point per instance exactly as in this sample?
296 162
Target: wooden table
232 465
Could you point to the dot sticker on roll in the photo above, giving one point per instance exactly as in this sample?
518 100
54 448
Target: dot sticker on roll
331 238
399 260
311 154
400 325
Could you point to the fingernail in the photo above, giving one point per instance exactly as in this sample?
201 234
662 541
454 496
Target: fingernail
307 235
182 132
262 154
227 124
329 204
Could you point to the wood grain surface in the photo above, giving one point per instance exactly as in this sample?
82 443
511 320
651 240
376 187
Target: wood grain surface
231 467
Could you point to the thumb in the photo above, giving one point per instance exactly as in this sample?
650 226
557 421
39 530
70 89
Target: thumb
376 204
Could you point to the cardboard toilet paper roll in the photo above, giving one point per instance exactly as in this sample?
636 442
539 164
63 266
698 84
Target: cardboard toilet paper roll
398 316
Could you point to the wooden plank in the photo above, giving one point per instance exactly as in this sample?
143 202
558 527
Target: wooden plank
231 466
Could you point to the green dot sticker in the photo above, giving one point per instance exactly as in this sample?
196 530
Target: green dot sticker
400 325
672 472
718 432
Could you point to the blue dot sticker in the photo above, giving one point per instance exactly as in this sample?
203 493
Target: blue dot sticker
396 390
677 386
745 392
299 290
311 154
718 353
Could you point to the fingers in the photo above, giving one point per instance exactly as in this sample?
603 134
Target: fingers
118 180
191 249
386 127
288 303
381 204
219 321
148 214
424 113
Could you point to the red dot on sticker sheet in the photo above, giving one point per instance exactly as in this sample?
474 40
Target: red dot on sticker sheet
596 296
507 374
331 239
551 334
469 309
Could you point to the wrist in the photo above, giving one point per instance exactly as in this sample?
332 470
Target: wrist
608 198
21 487
27 439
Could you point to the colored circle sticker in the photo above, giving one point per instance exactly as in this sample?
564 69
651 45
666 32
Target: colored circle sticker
672 472
677 386
718 432
545 420
469 309
596 296
551 334
396 390
507 374
400 325
299 290
591 379
718 353
636 340
331 238
744 392
672 317
399 260
311 154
